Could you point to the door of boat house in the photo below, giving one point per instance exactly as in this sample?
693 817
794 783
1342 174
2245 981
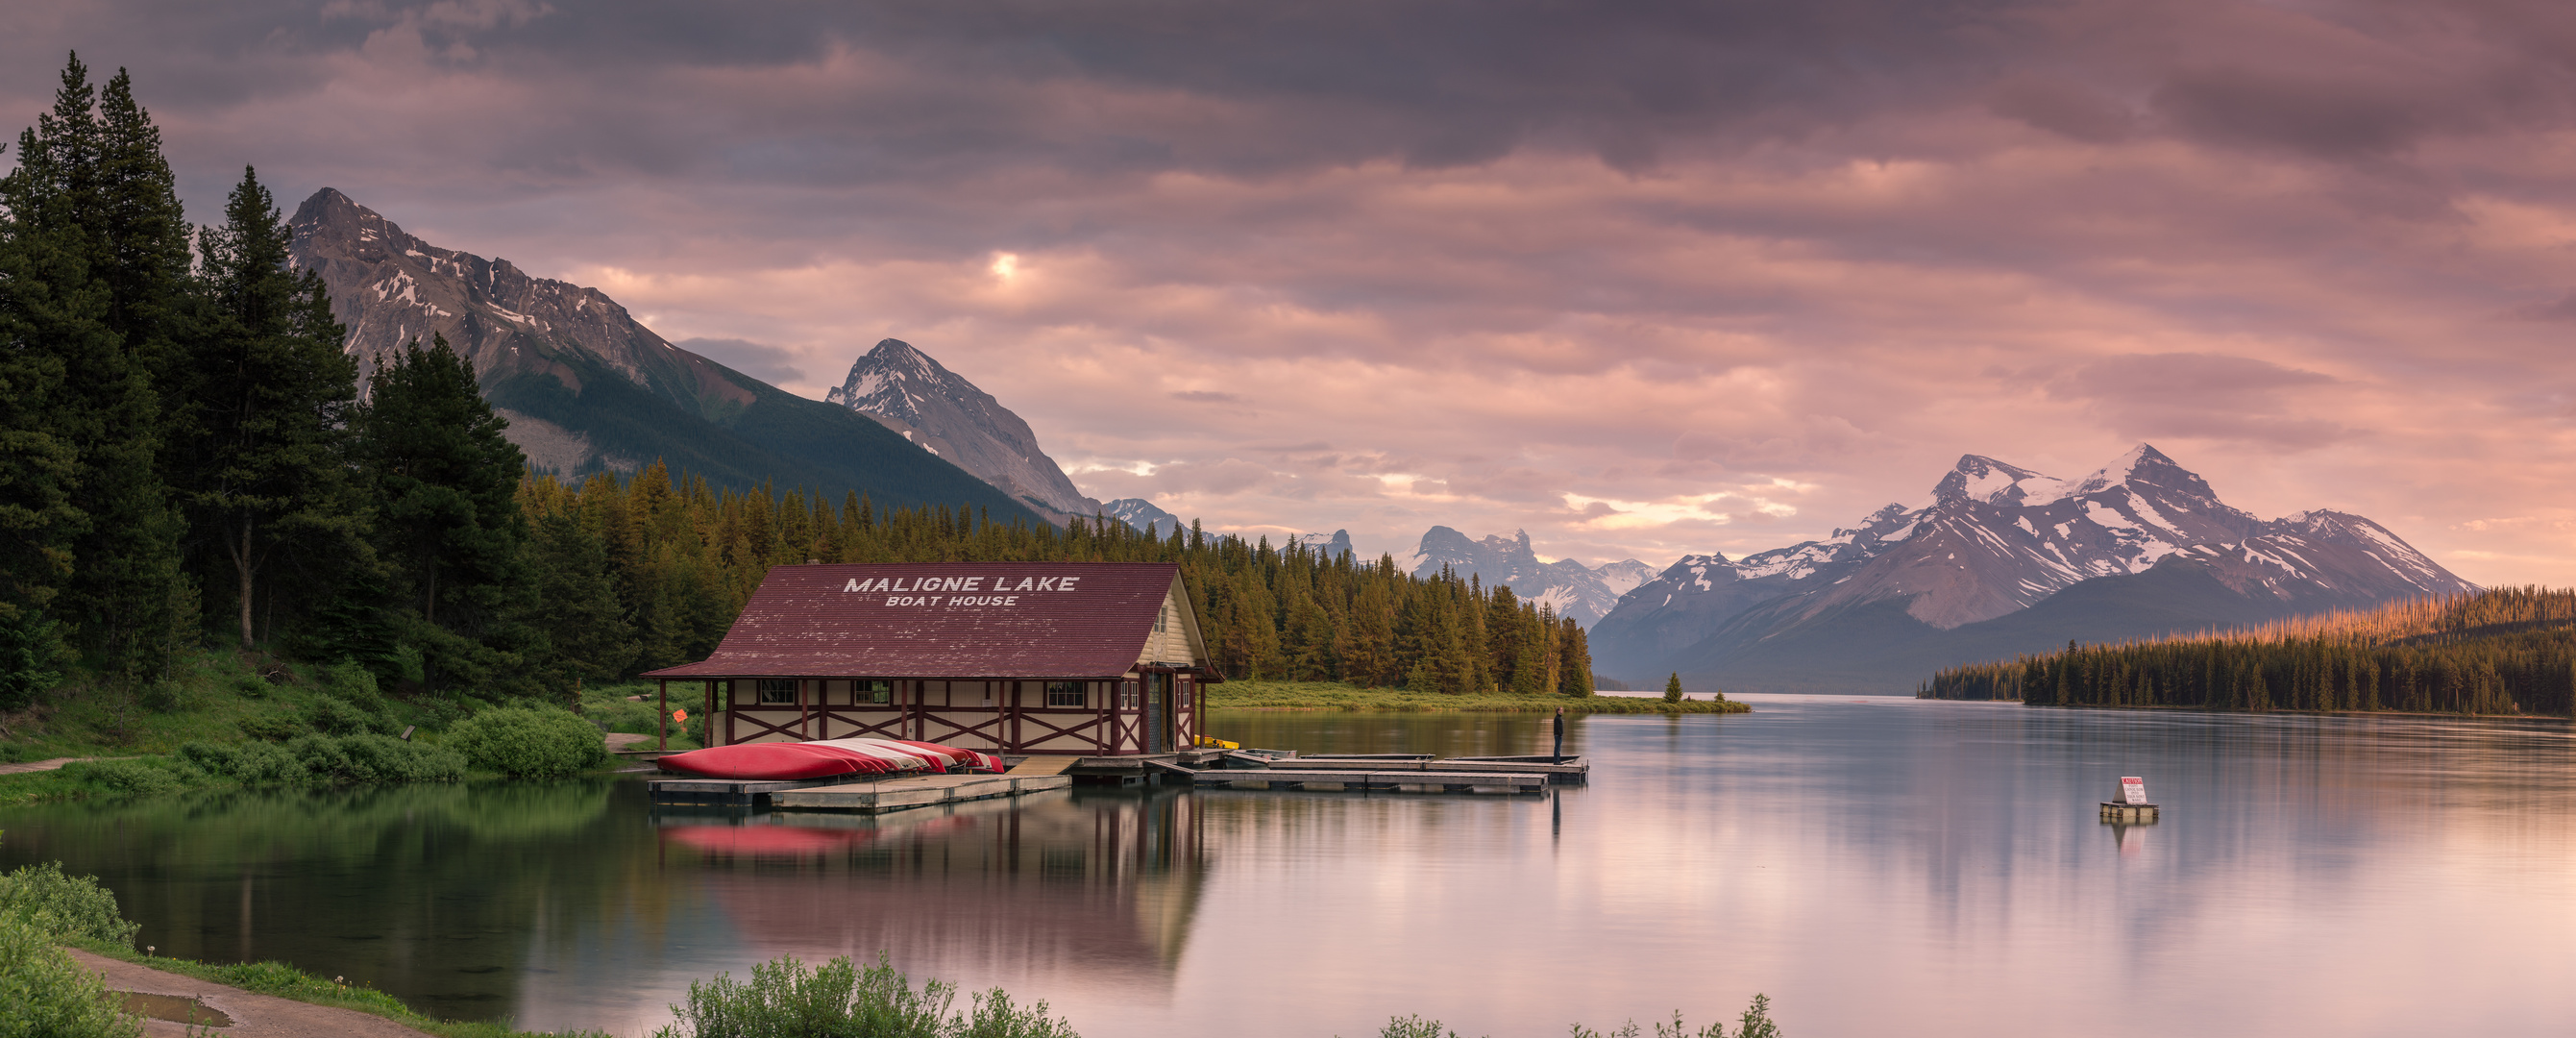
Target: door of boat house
1158 712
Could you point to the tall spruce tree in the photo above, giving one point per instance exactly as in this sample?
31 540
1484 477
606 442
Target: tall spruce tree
93 195
449 526
37 468
265 469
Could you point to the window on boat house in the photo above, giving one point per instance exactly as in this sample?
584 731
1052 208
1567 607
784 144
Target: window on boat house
778 690
873 691
1064 693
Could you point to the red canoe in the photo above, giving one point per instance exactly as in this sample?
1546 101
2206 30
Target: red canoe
775 761
786 761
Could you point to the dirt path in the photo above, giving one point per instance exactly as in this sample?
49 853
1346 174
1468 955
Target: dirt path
41 765
253 1016
627 741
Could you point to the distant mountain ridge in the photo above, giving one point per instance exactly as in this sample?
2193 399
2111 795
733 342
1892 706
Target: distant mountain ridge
909 392
2003 560
1141 514
1573 589
587 388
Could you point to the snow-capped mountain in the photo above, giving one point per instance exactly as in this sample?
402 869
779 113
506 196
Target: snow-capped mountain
1993 556
1583 592
1331 545
1141 514
585 386
940 412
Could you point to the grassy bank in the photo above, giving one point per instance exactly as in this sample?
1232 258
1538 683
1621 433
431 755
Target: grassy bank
283 981
1335 695
228 720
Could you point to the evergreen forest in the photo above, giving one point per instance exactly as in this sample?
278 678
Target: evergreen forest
188 462
2506 651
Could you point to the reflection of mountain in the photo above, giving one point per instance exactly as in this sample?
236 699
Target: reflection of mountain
1097 886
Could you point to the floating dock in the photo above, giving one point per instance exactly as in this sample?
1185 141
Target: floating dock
1203 769
896 794
715 792
2117 812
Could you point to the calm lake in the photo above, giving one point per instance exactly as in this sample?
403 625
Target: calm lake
1879 867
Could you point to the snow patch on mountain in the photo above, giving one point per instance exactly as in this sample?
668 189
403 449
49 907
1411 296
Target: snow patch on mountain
906 390
1572 589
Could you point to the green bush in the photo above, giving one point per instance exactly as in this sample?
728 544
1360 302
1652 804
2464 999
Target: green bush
272 728
250 686
838 998
333 717
322 758
134 775
529 743
63 907
352 683
44 994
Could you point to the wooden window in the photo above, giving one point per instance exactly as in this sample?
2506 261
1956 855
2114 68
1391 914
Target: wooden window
1064 693
778 690
873 691
1126 695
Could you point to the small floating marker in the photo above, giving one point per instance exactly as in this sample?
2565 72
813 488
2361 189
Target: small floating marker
2132 806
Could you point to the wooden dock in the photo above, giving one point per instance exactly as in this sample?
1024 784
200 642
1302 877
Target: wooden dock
910 791
1570 771
714 792
1371 779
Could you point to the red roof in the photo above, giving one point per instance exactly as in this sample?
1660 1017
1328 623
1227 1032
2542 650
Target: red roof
944 620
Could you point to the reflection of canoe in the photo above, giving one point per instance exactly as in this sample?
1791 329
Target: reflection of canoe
764 840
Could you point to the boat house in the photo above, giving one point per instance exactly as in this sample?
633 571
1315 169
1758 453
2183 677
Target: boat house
1083 658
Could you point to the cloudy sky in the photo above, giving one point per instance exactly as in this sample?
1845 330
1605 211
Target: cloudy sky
1641 278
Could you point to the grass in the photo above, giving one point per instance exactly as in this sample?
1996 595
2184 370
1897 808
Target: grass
1336 695
235 699
284 981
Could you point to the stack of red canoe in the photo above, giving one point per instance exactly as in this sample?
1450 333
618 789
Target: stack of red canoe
783 761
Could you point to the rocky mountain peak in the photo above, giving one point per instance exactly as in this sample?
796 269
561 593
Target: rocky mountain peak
1999 539
1983 479
938 410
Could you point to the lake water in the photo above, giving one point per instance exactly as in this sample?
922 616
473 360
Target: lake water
1879 867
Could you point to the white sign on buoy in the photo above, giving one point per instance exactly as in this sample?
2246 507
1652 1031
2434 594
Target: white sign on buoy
2133 790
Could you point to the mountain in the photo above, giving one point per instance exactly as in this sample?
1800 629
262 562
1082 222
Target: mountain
2003 560
587 388
1141 514
928 405
1573 589
1333 545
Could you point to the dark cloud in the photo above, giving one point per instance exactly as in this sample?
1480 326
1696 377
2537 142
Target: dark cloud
2200 395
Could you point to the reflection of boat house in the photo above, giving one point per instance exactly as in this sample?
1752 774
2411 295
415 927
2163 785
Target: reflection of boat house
1088 658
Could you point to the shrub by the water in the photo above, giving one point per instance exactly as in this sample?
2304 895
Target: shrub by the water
142 776
529 743
1755 1023
42 991
68 907
363 759
838 998
44 994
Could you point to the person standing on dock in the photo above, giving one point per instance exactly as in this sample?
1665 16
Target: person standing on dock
1559 756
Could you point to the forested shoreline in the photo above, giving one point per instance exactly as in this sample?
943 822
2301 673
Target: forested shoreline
2508 651
187 461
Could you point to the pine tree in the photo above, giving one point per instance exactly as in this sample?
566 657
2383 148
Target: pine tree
449 525
1673 688
266 473
587 635
92 195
